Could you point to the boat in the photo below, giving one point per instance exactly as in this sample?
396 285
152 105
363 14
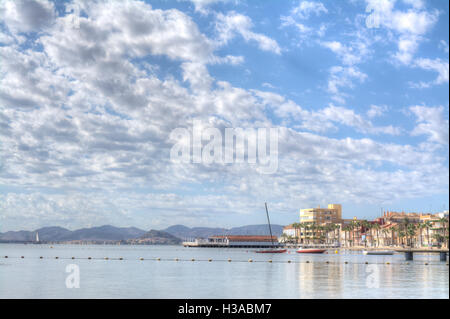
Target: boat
311 251
274 250
378 252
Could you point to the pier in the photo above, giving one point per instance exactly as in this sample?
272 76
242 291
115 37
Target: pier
249 241
409 253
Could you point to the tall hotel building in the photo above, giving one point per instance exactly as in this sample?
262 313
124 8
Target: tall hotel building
331 214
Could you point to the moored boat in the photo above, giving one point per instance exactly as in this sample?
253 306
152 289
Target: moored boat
378 252
311 251
272 251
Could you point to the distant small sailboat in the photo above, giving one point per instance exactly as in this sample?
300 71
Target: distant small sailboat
378 252
37 237
311 251
275 250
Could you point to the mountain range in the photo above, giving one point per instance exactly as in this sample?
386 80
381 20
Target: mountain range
111 233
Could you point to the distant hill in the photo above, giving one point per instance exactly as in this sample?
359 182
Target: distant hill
20 235
55 234
52 233
104 233
184 232
156 237
171 235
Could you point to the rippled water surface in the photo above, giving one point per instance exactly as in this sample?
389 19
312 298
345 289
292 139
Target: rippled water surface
346 275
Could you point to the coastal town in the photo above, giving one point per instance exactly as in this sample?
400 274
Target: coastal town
325 227
392 229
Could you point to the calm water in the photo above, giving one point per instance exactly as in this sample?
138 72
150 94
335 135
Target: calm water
32 277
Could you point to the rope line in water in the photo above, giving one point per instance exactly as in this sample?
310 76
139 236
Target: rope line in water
229 260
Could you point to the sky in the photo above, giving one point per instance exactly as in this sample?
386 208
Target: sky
90 92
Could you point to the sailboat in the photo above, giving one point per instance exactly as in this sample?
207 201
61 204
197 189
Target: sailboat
274 250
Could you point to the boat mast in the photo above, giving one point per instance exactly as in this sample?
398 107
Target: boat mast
268 220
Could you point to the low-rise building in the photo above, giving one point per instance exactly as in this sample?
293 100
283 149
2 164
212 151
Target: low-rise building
234 241
290 234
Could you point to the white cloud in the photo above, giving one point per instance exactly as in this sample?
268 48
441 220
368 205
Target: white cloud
416 4
202 6
354 52
290 21
323 120
27 15
227 26
306 8
409 26
436 65
136 31
376 110
431 121
268 85
302 12
85 127
348 117
343 77
443 45
349 55
6 39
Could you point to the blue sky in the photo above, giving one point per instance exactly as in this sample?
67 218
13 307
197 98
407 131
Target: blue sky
91 90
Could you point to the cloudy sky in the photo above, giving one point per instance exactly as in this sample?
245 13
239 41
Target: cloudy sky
91 90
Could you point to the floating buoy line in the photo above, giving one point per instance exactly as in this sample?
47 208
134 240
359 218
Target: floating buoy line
229 260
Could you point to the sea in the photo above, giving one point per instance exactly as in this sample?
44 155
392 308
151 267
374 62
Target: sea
154 271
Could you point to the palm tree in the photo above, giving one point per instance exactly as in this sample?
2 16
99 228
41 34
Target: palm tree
368 229
405 224
365 225
439 238
328 229
377 231
410 234
335 227
444 222
356 226
421 226
401 234
318 236
314 228
394 229
385 232
346 229
428 225
296 227
306 228
310 227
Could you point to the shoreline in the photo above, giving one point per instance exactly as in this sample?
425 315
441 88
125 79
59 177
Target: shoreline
355 248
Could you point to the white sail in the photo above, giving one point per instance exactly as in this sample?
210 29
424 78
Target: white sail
37 237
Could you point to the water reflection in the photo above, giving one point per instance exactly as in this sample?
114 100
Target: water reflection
131 278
